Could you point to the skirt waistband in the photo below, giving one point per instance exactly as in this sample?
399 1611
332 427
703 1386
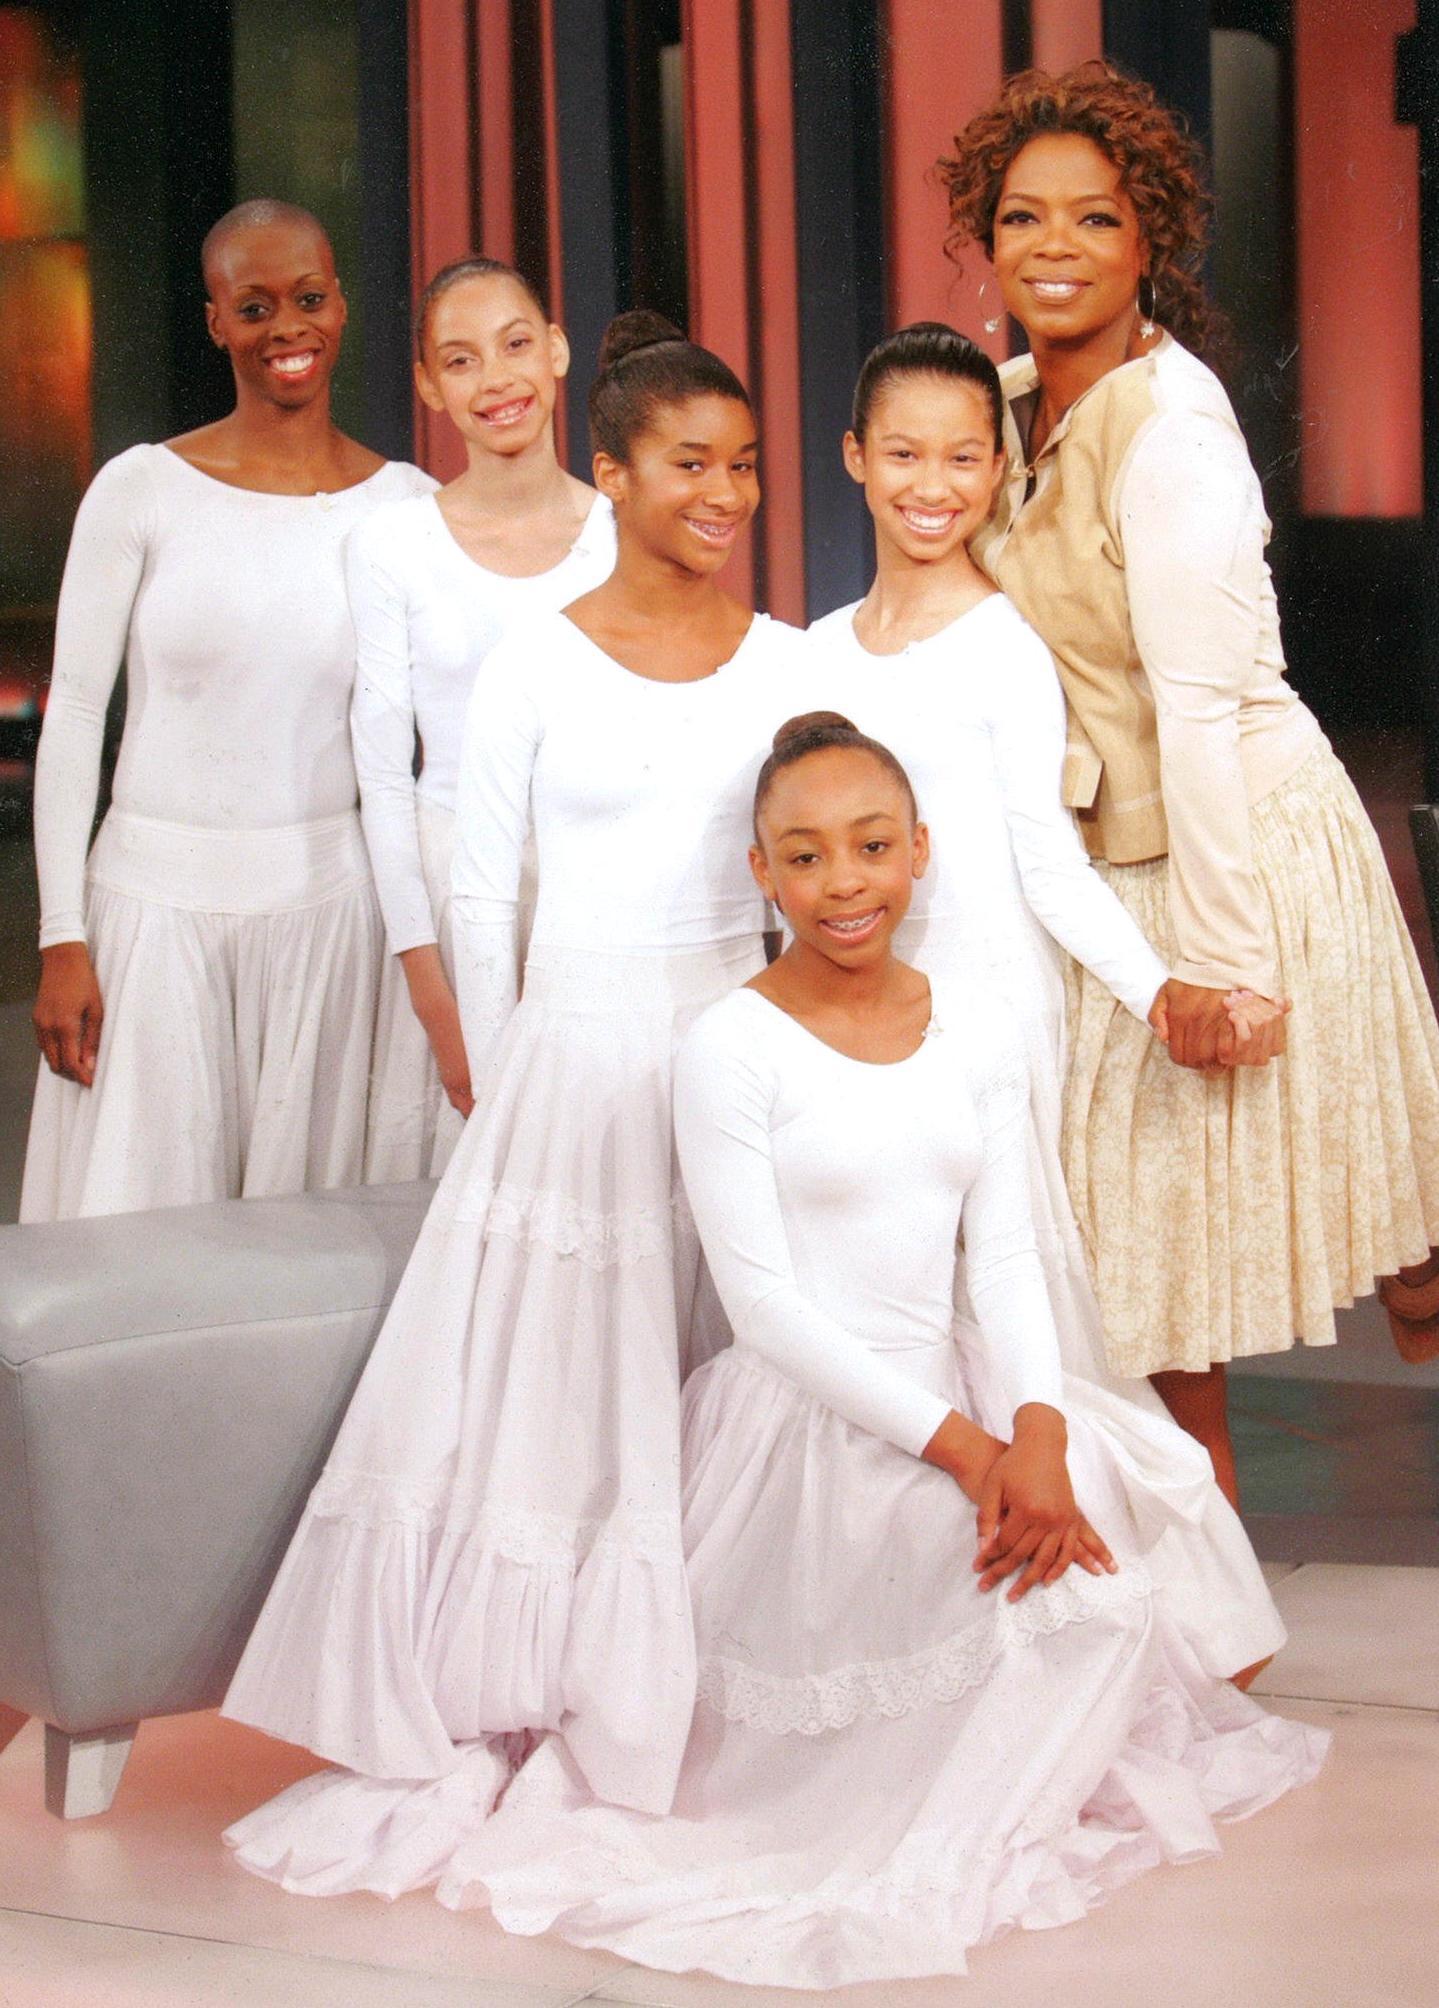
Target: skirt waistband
230 871
590 980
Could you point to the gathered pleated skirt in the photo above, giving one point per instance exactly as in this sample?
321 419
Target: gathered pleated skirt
494 1545
412 1128
1206 1578
239 972
1230 1215
886 1767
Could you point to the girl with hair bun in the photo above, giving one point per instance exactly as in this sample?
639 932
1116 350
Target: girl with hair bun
493 1550
1227 1209
934 1701
944 669
434 583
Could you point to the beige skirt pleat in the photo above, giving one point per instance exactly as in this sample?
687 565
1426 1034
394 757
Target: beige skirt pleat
1229 1216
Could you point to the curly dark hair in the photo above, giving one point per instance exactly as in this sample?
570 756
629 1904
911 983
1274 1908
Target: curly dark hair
1161 165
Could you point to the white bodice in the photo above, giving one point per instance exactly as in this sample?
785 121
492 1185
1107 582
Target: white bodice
830 1195
426 620
228 610
975 714
638 793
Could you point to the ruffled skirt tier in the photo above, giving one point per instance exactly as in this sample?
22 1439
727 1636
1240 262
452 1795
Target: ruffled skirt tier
887 1767
1204 1570
239 972
1229 1216
494 1545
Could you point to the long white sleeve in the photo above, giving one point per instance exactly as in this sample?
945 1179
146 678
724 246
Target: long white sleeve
1063 890
382 727
1192 523
1001 1252
103 571
722 1130
503 733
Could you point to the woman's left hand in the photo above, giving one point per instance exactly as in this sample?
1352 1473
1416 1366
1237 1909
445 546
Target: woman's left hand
1028 1519
1257 1026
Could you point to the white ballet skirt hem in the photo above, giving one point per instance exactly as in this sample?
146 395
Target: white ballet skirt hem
542 1869
234 1055
495 1544
843 1813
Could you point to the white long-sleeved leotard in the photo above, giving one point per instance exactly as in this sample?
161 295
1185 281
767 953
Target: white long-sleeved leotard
639 794
830 1193
975 714
426 617
228 609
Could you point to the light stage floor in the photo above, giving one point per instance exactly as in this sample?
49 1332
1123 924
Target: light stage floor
1325 1901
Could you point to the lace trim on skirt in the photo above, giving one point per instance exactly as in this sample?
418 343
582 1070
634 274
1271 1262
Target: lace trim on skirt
601 1240
531 1539
809 1704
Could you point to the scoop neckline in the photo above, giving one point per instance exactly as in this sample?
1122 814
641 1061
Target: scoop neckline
663 682
322 495
898 654
512 578
931 1031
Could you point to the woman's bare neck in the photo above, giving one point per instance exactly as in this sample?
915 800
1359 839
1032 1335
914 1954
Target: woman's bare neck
276 452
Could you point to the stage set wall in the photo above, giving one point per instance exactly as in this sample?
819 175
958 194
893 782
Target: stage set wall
763 169
813 222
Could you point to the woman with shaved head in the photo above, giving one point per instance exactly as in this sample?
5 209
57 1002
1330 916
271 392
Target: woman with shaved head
209 973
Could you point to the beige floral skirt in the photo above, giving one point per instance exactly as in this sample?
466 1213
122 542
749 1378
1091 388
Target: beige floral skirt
1228 1216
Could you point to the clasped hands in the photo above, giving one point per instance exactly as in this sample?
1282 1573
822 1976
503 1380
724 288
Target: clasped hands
1029 1524
1213 1030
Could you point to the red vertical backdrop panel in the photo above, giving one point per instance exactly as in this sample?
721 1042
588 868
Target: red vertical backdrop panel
441 195
715 207
942 65
495 154
775 342
1357 192
554 212
1065 32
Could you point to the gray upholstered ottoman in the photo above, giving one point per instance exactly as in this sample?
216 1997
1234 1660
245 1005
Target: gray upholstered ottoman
169 1385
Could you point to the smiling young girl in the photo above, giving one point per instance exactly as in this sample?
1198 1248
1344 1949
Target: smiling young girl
208 974
940 666
494 1547
931 1707
435 581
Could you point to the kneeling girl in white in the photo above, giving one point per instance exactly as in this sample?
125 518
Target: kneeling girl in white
435 581
494 1547
918 1723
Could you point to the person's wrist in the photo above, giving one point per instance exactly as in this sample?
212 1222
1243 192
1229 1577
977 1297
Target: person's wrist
960 1448
1037 1422
59 953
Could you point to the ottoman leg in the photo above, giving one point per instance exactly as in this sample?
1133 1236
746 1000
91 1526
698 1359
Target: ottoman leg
83 1770
12 1721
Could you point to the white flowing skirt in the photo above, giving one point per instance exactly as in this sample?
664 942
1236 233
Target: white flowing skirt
887 1766
413 1129
1204 1569
239 972
494 1545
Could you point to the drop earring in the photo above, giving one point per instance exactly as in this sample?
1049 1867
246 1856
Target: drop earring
1145 304
991 323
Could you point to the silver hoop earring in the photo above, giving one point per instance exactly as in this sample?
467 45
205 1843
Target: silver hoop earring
1145 305
992 324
